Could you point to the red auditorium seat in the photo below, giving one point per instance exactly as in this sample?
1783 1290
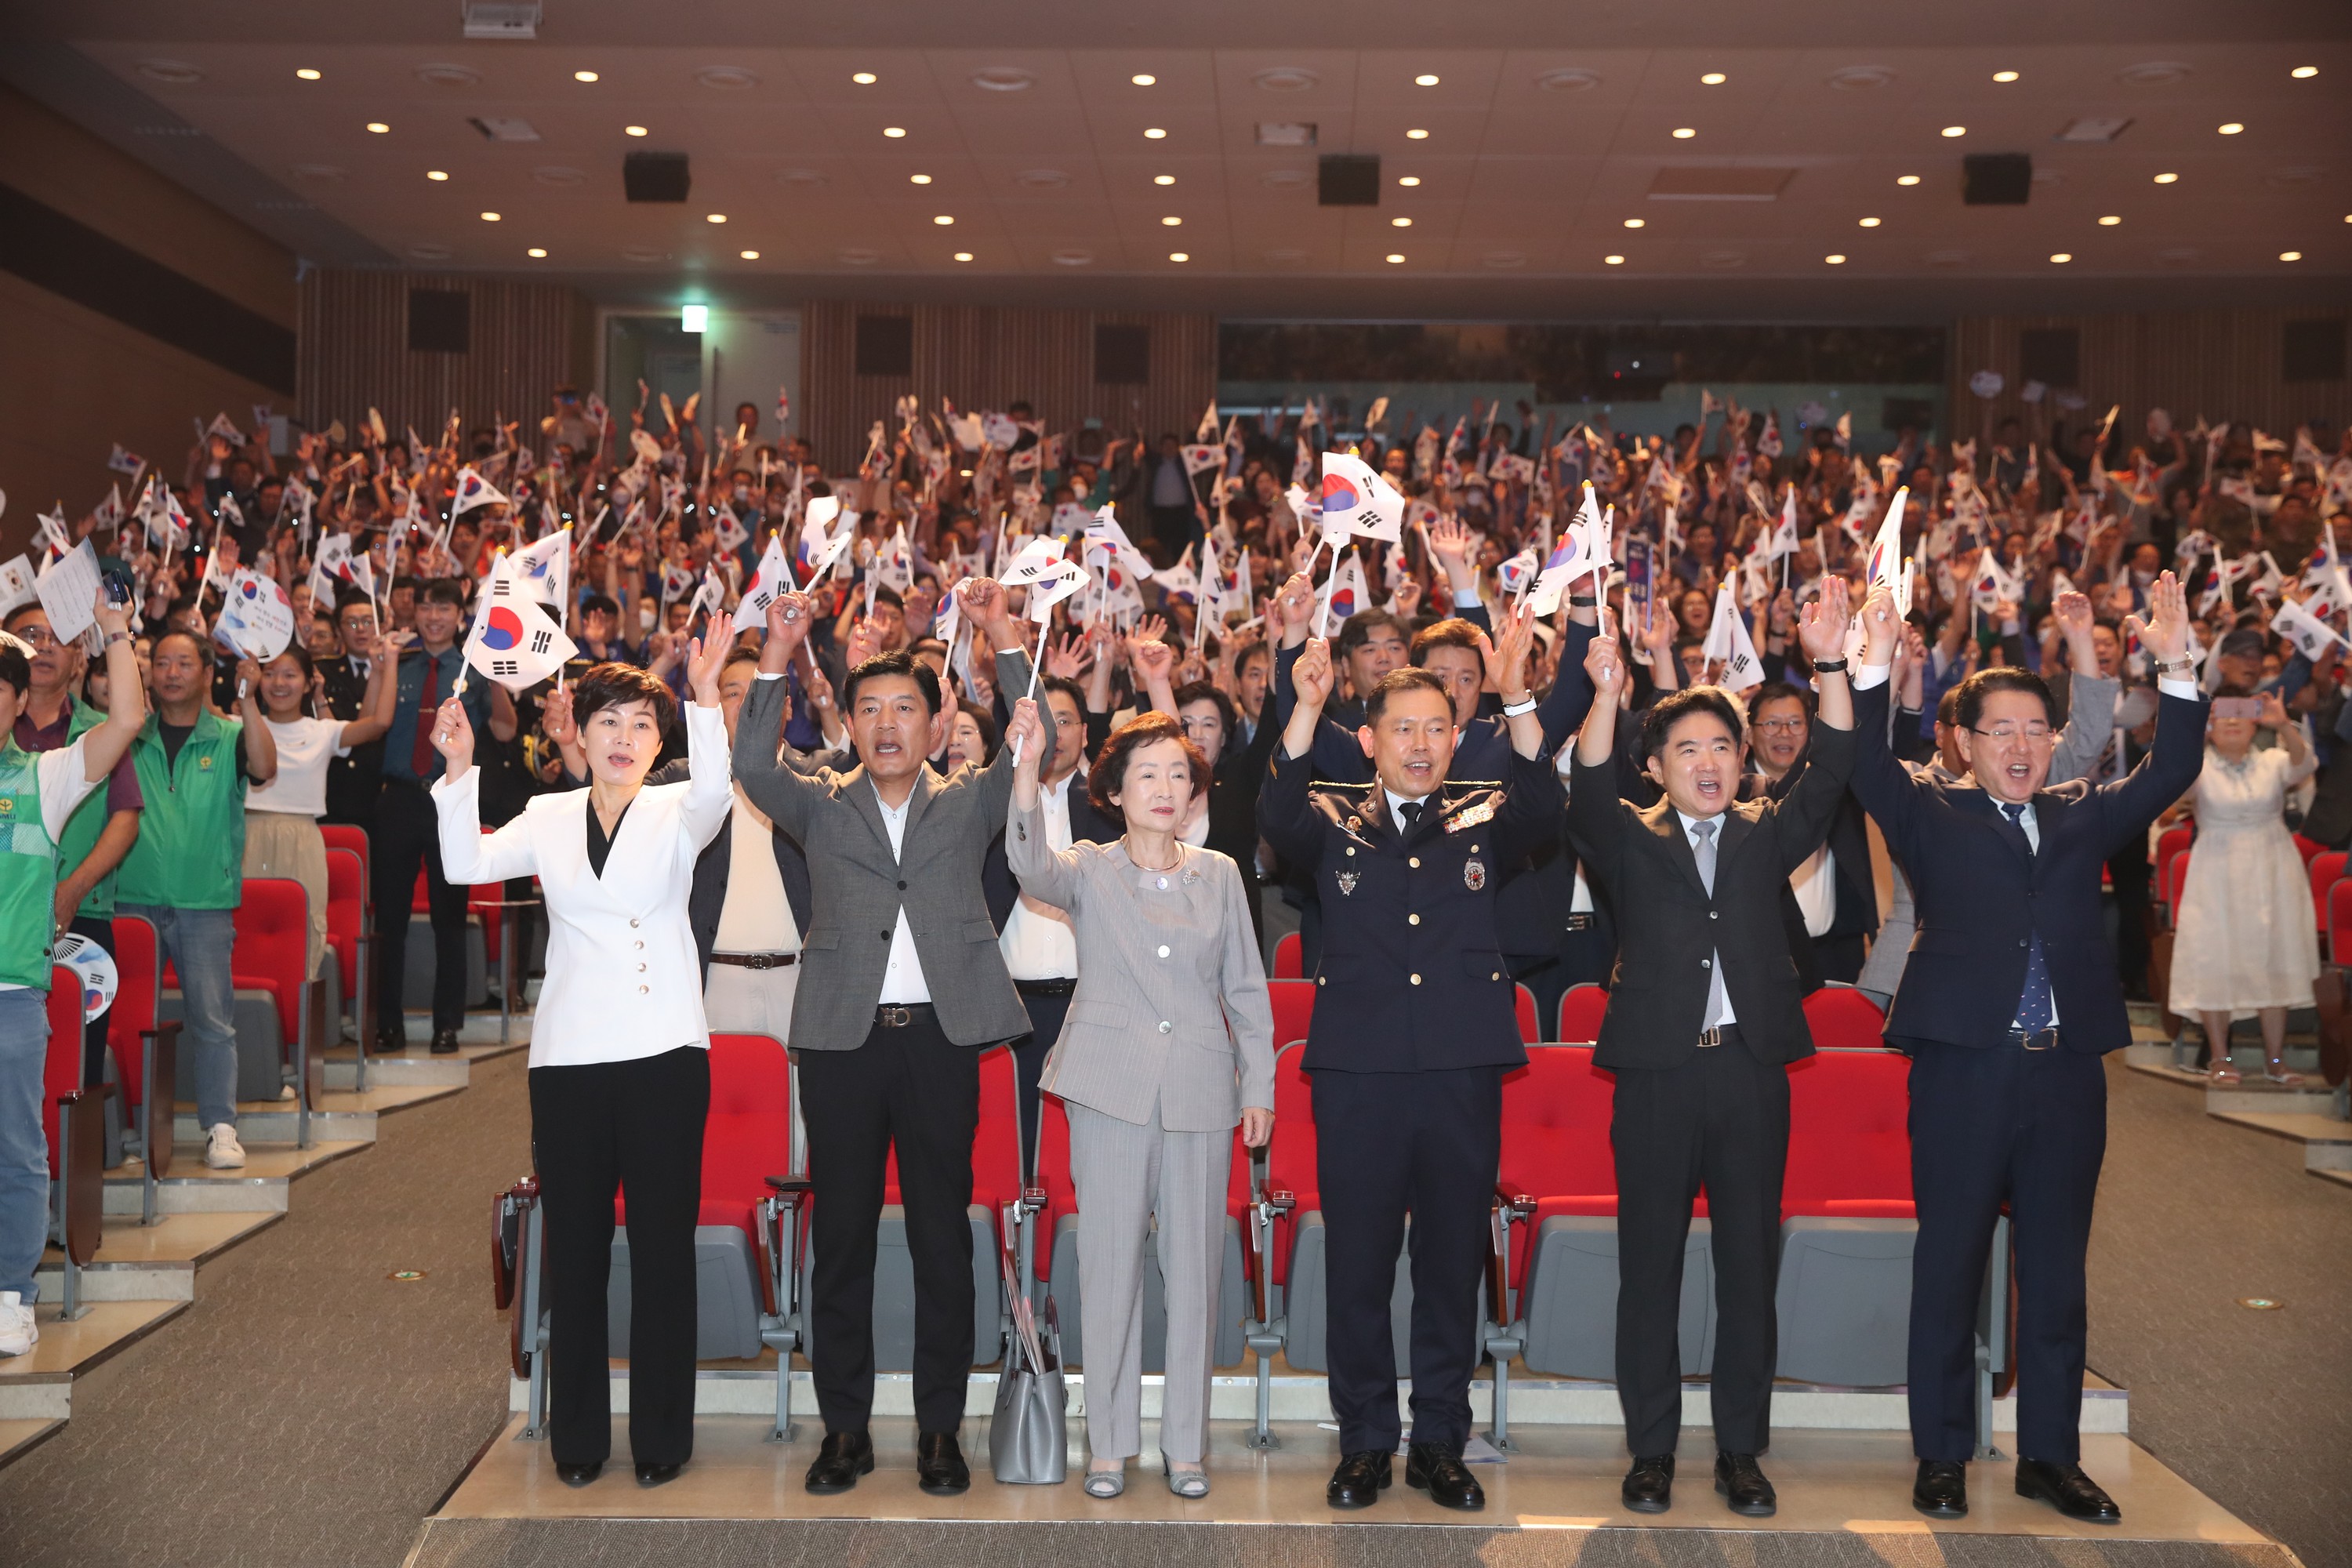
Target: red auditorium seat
2326 869
1843 1019
75 1121
2172 843
1289 1201
1581 1008
345 835
2176 877
1287 957
1530 1026
347 938
2307 848
146 1053
1848 1231
2338 926
1849 1141
1294 1006
273 954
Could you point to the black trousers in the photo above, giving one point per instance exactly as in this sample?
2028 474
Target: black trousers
2030 1128
93 1030
1045 1014
1389 1143
1720 1119
914 1088
596 1129
2130 873
408 834
1839 957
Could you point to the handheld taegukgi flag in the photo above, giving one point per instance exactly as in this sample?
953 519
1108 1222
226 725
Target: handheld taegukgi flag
1729 644
513 642
543 568
1345 594
1359 499
474 490
1887 565
774 577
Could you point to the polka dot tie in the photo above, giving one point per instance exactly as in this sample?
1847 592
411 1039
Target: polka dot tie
2034 1010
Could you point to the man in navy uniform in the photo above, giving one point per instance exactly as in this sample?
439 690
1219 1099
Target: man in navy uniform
2010 997
1416 1023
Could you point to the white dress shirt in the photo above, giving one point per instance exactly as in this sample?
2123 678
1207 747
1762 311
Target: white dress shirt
1039 946
1397 803
902 977
1719 999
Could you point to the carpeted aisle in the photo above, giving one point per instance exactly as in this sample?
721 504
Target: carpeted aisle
305 1410
2254 1408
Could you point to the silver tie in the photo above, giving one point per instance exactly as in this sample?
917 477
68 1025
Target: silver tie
1719 1005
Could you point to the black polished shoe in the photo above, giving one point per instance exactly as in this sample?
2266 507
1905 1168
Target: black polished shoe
1942 1489
939 1468
1441 1473
1741 1482
1649 1484
1359 1480
579 1475
445 1042
2066 1488
390 1039
841 1458
656 1475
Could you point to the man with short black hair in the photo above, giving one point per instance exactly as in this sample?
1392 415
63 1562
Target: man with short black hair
1832 904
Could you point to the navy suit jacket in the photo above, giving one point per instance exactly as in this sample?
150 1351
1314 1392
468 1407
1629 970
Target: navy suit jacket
1983 893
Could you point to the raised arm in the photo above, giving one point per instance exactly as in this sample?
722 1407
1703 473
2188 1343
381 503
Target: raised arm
466 857
2170 768
1882 785
709 791
126 710
1595 809
1044 873
1285 812
789 798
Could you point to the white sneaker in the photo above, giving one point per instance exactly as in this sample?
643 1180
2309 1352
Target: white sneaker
222 1150
19 1333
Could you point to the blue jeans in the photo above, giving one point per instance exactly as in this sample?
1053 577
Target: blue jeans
24 1144
198 943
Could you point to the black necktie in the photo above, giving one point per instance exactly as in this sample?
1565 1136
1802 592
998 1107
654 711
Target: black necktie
1411 811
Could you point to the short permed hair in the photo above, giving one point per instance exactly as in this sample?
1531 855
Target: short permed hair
1108 777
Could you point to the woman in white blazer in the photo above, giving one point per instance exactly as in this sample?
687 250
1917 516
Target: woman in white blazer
1168 1044
620 1070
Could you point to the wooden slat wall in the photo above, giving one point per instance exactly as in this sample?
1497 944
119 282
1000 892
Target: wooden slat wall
526 340
984 357
2217 364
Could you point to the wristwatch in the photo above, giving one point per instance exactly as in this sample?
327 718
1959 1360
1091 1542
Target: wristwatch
1524 705
2176 666
1581 600
1823 666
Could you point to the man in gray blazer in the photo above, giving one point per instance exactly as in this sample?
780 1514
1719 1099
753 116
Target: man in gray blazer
901 978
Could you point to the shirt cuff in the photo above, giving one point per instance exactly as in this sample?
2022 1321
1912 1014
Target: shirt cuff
2180 687
764 675
1466 599
1872 676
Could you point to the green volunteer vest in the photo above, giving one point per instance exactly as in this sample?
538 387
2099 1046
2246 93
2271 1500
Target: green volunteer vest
87 821
28 872
191 849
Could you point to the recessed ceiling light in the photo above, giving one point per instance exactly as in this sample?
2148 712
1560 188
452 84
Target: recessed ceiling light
863 78
714 218
1684 132
2167 179
1613 261
894 132
379 127
489 217
1399 223
2110 221
1713 79
633 131
1867 222
536 251
2304 73
1906 179
1395 259
1155 134
2004 76
749 255
694 318
1956 131
1163 179
918 179
308 73
1179 256
1416 135
1834 259
2232 129
437 174
2290 256
1170 222
583 76
1637 223
1424 79
944 219
1143 79
2061 257
1408 181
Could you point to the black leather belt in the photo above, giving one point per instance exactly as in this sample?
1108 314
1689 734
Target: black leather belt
1582 923
1721 1035
2034 1039
1045 987
757 960
901 1015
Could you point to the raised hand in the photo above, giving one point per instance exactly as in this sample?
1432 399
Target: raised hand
705 655
864 642
1821 629
2273 714
452 736
1296 604
1881 626
555 716
2071 611
1311 676
1068 656
1449 541
1506 656
1605 665
943 721
1153 659
984 601
1025 734
790 615
2165 633
1408 597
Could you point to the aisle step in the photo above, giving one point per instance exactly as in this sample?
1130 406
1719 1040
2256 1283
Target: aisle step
193 1187
151 1262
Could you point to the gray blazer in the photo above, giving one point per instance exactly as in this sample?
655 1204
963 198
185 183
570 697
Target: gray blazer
856 886
1172 1001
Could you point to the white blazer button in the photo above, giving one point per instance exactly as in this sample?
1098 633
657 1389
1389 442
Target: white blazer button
1164 950
632 925
1166 1027
641 969
643 989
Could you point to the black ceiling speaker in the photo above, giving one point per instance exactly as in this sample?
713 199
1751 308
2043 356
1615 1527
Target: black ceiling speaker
1996 179
655 176
1348 180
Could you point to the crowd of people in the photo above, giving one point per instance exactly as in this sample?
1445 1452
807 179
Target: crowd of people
1018 735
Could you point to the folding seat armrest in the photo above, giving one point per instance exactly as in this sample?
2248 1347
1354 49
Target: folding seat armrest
506 1211
1031 1201
791 1186
1510 1209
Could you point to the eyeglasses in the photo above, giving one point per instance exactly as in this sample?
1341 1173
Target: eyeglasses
2032 735
1781 726
36 638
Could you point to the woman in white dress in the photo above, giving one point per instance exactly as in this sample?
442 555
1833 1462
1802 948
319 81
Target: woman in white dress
2246 941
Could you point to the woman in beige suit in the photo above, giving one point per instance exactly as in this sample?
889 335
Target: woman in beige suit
1169 1044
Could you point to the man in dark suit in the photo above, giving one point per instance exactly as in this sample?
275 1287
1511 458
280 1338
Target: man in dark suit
1834 901
1416 1023
1705 1012
353 782
2010 997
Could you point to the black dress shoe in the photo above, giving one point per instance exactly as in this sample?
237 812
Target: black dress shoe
2066 1488
656 1475
1741 1482
1649 1484
1358 1482
579 1475
841 1458
1942 1489
445 1042
1441 1473
939 1468
390 1040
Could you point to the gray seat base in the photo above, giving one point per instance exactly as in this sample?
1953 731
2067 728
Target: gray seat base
1568 1306
1844 1300
261 1049
1068 1303
417 966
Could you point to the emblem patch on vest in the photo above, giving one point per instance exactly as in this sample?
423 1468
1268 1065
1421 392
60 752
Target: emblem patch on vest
203 764
1347 880
1474 875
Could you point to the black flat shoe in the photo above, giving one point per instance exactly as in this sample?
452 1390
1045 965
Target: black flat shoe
1441 1473
939 1468
579 1475
390 1041
1741 1482
841 1458
445 1042
1649 1484
1942 1489
1358 1482
657 1474
2066 1488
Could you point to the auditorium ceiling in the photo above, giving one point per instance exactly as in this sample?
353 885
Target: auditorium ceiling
1695 159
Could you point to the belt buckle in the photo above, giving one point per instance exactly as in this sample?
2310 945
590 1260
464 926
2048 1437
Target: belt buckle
1710 1037
2048 1037
761 961
892 1015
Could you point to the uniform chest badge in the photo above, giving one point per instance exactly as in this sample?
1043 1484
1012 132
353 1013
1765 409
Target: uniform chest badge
1355 825
1347 880
1474 875
1471 816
